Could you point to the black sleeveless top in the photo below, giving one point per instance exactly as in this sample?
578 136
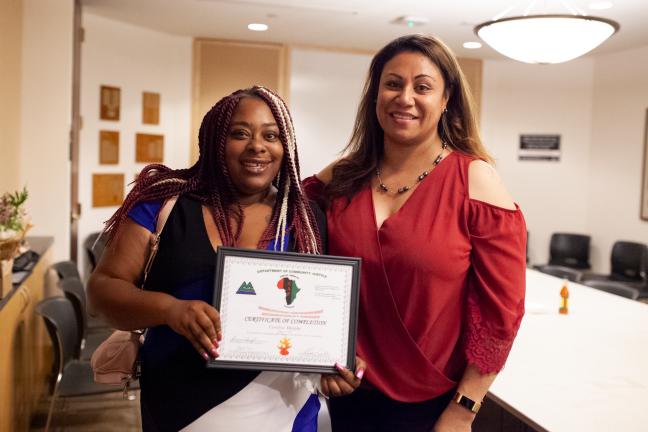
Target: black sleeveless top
176 387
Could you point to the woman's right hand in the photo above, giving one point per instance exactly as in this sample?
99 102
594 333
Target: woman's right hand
199 323
345 382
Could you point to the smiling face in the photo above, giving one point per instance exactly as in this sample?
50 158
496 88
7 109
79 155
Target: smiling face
411 98
253 150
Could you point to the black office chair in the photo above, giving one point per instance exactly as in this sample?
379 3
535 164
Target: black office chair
70 377
66 269
570 250
94 249
618 288
69 270
88 340
629 264
561 272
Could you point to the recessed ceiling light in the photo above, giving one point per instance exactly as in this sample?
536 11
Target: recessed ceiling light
257 27
411 20
600 5
472 45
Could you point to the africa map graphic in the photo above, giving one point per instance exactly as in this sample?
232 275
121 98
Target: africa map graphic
290 286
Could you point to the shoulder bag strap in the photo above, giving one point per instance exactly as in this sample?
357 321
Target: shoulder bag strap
162 217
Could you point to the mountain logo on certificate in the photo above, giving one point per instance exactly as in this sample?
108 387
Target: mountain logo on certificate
246 288
283 346
290 286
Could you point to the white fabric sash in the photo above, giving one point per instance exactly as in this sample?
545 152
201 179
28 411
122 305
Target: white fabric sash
269 403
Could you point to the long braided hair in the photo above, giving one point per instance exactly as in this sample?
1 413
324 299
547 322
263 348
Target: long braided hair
209 182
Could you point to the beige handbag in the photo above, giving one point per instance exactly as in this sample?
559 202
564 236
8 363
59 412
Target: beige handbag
115 359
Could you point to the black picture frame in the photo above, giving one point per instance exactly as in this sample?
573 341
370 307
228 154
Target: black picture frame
353 262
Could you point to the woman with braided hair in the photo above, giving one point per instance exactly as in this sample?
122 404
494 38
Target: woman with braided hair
244 191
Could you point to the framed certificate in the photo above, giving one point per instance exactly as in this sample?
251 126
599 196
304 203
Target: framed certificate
286 311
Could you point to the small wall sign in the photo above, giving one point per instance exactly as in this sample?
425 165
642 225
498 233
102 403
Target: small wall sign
108 147
149 148
107 190
539 148
109 103
150 108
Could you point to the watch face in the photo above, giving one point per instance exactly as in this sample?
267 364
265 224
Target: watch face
467 403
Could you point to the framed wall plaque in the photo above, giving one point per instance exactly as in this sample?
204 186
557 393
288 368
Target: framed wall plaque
644 178
109 103
149 148
150 108
108 147
107 190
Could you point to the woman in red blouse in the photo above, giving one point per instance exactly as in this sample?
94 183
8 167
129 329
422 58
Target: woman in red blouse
442 246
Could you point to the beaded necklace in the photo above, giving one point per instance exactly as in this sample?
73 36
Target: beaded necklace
420 178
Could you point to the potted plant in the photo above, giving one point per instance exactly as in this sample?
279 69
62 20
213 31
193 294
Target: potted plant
14 223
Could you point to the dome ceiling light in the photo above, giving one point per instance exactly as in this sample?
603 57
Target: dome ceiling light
546 38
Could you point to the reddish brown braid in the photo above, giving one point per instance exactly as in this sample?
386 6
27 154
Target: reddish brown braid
208 180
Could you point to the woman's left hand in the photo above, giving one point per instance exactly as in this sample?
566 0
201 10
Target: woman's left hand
454 418
345 382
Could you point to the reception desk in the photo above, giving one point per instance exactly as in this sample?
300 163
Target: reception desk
25 349
585 371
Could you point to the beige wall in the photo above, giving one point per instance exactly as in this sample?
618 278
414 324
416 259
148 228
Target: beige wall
619 108
10 67
149 61
45 117
519 99
325 89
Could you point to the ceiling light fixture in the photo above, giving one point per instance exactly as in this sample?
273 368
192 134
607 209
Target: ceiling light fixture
472 45
257 27
546 38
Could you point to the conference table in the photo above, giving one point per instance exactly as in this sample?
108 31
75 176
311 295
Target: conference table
584 371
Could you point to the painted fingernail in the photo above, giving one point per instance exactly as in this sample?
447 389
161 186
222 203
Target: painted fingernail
338 366
214 352
359 373
215 341
219 335
205 356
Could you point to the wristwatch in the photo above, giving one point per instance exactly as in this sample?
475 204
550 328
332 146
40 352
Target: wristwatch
466 402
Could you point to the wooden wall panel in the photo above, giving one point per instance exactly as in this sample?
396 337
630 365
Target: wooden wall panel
107 190
220 67
472 69
11 18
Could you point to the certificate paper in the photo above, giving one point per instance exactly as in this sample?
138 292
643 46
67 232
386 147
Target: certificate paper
286 311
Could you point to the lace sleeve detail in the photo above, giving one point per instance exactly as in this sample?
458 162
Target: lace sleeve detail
484 348
496 284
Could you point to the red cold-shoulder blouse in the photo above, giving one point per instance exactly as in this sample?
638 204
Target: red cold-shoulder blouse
442 282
